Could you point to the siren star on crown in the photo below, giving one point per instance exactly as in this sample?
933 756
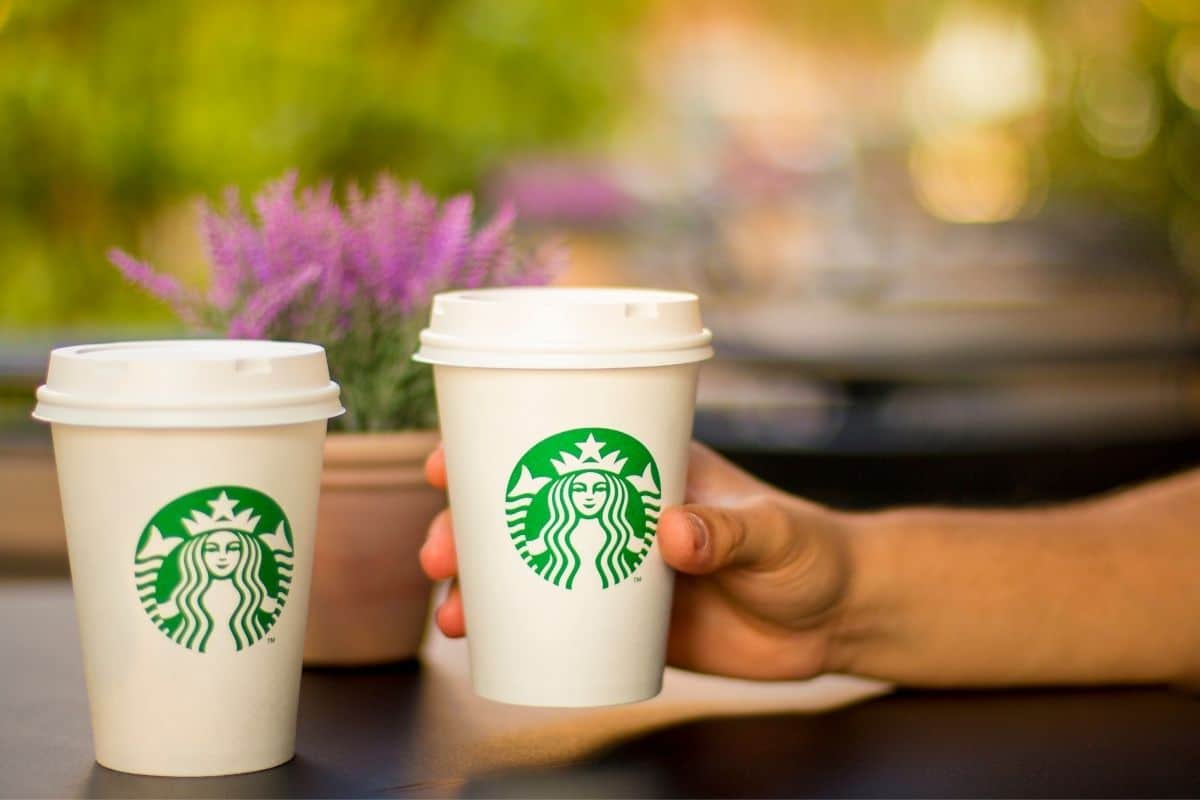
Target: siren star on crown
589 459
223 518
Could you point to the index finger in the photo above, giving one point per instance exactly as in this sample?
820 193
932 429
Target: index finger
435 468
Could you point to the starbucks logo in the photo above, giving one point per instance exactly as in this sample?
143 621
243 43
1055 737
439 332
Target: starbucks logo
213 568
582 507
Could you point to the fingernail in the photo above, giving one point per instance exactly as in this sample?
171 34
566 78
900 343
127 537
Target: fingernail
699 533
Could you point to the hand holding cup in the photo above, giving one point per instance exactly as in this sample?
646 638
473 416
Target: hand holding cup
762 574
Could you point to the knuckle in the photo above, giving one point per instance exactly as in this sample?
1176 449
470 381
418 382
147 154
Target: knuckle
769 513
748 518
775 527
739 530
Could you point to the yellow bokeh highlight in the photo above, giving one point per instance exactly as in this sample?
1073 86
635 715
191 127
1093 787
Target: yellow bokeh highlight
1183 66
1119 107
972 176
980 67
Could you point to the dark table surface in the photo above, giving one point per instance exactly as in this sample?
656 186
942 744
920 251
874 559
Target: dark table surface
416 730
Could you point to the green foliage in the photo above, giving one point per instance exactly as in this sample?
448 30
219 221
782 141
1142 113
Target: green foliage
382 387
115 115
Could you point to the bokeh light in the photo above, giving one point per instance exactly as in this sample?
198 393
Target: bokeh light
976 175
1183 66
1119 107
980 66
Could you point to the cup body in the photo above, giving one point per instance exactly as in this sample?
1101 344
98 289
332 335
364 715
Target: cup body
192 642
556 480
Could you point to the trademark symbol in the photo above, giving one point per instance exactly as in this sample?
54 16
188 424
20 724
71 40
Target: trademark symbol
270 640
637 578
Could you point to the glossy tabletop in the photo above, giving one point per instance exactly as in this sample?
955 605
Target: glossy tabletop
417 730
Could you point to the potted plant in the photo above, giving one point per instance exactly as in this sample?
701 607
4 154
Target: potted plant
357 278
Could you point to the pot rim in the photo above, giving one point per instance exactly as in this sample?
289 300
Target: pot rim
383 449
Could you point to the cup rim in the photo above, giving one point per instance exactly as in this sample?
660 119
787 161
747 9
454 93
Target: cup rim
680 340
90 384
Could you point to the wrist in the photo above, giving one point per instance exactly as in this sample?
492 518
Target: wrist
868 613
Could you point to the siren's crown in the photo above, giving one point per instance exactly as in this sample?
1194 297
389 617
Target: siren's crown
222 518
589 459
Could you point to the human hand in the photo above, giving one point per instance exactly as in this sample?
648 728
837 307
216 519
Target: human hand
761 574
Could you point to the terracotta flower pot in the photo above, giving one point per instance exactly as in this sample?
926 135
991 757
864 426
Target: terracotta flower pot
370 600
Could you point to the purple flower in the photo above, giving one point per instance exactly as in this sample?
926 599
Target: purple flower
354 277
265 307
163 287
446 248
489 246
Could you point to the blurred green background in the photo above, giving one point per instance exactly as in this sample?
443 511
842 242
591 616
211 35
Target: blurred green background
116 115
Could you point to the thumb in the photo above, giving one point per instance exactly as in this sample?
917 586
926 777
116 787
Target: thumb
757 535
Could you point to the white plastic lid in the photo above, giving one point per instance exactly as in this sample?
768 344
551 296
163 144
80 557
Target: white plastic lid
200 383
565 328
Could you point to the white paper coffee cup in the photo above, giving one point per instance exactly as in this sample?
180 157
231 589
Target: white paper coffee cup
189 474
566 416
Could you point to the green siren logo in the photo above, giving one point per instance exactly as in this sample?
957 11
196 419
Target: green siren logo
213 568
582 507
